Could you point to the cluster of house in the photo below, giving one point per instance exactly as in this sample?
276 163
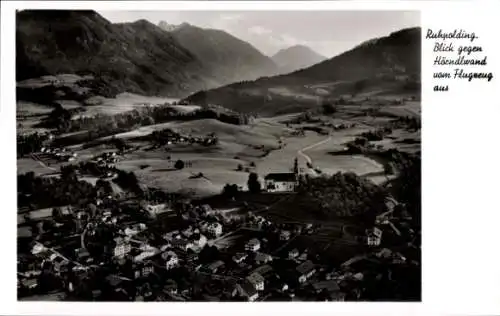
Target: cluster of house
46 259
169 137
105 164
268 278
262 274
60 154
107 159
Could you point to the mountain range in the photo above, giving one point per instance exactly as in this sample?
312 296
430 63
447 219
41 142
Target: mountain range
386 65
136 57
226 57
206 65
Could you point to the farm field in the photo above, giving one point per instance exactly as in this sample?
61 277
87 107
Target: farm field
412 108
122 103
358 164
161 173
281 160
238 145
28 164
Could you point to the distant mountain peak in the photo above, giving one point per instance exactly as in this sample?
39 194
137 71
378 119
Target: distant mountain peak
229 58
296 47
296 57
172 27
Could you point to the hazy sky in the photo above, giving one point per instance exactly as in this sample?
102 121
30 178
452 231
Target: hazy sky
327 32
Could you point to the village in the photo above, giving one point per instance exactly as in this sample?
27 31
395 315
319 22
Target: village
123 248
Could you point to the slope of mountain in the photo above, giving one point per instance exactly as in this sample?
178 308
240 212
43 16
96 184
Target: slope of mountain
386 65
228 58
135 57
296 57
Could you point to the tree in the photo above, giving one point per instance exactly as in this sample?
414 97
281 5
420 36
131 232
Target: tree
359 86
240 167
56 213
103 187
148 120
209 254
253 183
119 143
230 190
179 164
296 166
329 108
92 209
68 173
388 170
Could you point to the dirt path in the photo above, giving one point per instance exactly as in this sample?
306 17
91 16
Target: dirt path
306 157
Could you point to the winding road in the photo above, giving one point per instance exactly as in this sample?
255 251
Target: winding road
306 157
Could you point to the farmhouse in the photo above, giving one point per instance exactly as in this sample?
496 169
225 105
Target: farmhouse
331 288
154 210
215 229
239 257
285 235
252 245
171 259
293 253
280 182
246 290
143 255
256 280
262 258
122 248
147 269
215 267
374 236
183 244
305 271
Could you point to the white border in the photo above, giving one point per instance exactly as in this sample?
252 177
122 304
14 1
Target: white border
460 206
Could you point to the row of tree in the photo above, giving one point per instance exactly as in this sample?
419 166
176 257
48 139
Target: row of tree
253 184
27 144
61 119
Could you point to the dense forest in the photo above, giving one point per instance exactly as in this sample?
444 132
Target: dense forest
341 195
42 192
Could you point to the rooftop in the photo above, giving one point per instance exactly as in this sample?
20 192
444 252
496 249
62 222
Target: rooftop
285 177
215 265
248 288
305 267
255 278
240 255
262 270
253 241
330 286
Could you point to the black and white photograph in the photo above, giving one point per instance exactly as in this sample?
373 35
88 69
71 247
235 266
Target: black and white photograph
218 156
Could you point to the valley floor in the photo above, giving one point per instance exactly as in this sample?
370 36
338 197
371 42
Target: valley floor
268 145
